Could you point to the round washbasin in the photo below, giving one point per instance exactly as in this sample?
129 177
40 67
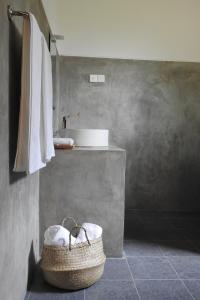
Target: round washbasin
89 137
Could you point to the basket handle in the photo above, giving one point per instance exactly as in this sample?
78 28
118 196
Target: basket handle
68 218
78 226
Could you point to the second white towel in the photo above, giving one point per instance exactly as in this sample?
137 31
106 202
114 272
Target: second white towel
93 232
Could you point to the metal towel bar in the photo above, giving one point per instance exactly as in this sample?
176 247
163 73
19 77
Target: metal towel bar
11 12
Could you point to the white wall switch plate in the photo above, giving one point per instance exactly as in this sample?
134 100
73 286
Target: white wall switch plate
101 78
97 78
93 78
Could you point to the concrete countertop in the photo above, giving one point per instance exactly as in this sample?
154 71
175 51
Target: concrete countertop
109 148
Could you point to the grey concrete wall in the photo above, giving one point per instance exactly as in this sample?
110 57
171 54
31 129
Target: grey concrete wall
90 186
153 111
56 88
56 92
19 194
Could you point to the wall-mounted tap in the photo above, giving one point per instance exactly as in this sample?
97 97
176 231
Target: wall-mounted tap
64 122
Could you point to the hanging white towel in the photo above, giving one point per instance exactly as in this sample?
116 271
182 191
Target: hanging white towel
32 151
28 156
21 159
47 145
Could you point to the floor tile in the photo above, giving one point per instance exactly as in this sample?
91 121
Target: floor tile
41 290
151 268
141 248
112 290
187 267
194 287
116 269
77 295
162 290
179 248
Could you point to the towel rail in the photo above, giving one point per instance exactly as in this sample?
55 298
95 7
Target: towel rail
11 12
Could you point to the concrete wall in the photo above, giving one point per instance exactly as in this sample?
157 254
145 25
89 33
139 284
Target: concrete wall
19 194
153 111
56 91
135 29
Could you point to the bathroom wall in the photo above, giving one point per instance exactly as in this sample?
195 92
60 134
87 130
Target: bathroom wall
56 89
19 194
153 111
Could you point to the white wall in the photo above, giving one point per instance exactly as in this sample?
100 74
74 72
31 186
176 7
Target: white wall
136 29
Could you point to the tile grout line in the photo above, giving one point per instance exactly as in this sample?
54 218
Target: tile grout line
117 280
134 284
163 279
182 281
161 251
148 279
162 256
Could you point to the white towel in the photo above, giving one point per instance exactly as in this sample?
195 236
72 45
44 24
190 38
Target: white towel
63 141
93 232
31 154
57 235
28 156
47 146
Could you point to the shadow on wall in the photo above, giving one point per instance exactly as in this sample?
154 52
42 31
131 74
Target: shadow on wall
164 174
15 53
31 266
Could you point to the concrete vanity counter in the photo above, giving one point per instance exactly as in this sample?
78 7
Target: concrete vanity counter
88 184
100 149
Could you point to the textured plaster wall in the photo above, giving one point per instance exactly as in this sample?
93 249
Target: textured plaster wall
19 194
152 110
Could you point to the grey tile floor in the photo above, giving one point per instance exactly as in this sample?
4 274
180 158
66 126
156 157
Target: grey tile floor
161 261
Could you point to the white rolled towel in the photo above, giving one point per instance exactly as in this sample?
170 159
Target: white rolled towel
93 232
63 141
57 235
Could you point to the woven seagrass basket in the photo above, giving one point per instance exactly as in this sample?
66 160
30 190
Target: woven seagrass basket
73 267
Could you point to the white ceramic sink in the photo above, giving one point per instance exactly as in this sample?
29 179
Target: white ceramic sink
89 137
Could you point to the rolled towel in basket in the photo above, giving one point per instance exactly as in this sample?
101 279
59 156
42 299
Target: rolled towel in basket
57 235
93 232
